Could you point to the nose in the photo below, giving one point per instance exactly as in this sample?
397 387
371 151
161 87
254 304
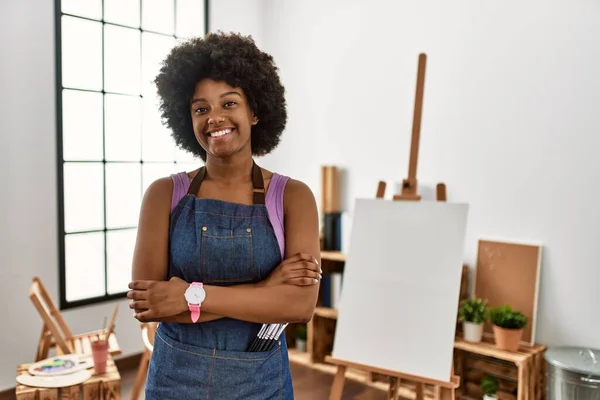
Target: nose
214 119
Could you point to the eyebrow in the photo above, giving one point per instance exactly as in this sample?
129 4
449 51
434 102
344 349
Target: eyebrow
195 100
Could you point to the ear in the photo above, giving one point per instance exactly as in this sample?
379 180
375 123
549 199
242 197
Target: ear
254 119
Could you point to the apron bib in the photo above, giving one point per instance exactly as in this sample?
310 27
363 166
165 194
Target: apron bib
219 243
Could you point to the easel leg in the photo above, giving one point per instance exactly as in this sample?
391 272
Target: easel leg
447 394
43 345
419 391
337 388
393 390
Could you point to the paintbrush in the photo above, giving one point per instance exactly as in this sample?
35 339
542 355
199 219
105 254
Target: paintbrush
103 329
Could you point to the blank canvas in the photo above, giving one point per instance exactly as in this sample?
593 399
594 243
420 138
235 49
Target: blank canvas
402 275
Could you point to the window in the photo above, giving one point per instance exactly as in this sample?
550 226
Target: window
110 141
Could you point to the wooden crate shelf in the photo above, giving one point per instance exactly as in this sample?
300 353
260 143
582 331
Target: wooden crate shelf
335 256
521 374
326 312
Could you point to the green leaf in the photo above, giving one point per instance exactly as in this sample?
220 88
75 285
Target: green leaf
473 310
506 318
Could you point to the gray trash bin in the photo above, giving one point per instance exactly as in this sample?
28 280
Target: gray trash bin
573 373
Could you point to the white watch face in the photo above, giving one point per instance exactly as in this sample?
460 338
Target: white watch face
195 295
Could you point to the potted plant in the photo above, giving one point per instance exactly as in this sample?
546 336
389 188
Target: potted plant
508 327
473 313
489 386
301 338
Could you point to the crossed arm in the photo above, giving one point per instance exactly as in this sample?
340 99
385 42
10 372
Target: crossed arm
156 299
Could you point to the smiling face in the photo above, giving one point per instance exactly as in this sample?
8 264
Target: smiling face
221 118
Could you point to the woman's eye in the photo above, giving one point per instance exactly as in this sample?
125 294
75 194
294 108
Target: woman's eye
200 110
230 104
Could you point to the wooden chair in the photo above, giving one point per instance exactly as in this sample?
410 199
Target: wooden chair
148 331
55 332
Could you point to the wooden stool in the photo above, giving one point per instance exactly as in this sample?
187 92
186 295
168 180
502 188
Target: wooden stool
106 386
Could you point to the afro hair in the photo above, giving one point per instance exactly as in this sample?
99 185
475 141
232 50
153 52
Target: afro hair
231 58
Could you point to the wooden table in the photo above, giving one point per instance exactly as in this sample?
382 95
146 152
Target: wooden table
106 386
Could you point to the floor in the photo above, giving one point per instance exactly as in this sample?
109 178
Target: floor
308 385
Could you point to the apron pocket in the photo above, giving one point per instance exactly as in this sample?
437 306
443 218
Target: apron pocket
177 373
248 376
183 371
226 255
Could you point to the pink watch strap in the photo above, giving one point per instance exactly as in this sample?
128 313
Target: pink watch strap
195 310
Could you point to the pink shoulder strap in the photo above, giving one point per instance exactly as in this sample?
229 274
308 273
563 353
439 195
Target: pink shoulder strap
181 184
274 204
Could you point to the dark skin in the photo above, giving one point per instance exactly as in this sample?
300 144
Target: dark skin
215 107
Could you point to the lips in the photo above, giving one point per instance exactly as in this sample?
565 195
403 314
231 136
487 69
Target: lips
220 133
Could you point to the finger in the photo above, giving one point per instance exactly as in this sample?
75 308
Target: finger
139 285
304 265
301 273
137 294
300 257
144 316
312 266
302 281
139 305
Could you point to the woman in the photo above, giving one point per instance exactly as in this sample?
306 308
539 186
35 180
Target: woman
230 246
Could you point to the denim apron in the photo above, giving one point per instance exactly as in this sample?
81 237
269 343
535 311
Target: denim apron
219 243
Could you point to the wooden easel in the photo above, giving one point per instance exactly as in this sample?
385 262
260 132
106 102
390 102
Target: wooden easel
409 184
442 390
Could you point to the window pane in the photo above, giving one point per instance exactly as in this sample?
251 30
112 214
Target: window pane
190 18
83 196
124 12
155 49
87 8
188 166
123 194
82 125
119 246
157 143
158 16
84 265
122 59
185 156
123 127
81 53
154 171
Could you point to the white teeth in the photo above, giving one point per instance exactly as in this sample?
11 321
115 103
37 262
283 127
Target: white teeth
220 133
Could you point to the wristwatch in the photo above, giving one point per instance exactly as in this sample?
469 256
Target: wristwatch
195 295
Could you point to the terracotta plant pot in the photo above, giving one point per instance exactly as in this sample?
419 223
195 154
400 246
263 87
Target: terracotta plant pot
507 339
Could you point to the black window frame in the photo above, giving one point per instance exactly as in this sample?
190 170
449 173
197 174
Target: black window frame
64 304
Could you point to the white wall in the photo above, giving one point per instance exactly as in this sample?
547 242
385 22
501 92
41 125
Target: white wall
240 16
511 121
28 229
29 232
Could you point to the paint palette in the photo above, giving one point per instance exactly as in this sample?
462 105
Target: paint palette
57 381
61 365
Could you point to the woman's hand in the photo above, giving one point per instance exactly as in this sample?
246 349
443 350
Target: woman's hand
153 300
301 270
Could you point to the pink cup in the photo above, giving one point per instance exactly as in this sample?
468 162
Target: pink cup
100 355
